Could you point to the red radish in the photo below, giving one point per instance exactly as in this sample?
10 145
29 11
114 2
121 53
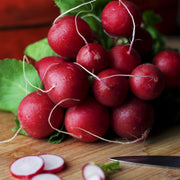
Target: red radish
151 85
168 61
53 163
121 59
46 176
64 38
92 172
26 167
143 42
45 63
110 91
33 113
69 81
132 118
117 21
89 116
93 57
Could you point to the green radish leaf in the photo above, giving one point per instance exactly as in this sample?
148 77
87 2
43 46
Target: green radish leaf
66 5
81 5
57 137
22 131
150 20
39 50
13 85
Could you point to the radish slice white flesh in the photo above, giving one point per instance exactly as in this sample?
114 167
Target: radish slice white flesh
94 177
92 172
46 176
53 163
26 167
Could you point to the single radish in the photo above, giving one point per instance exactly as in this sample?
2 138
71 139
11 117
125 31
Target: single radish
87 119
93 57
111 90
45 63
143 42
131 119
123 60
26 167
116 19
46 176
53 163
92 172
33 114
168 61
147 81
69 81
63 36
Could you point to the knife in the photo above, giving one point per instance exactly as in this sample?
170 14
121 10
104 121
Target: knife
159 161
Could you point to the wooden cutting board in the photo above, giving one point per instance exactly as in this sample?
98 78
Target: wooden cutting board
76 154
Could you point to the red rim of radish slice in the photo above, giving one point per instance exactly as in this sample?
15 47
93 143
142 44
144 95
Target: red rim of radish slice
92 170
26 167
46 176
52 163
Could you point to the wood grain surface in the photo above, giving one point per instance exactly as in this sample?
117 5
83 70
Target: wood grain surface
76 154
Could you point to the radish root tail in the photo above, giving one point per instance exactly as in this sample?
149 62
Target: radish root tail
25 59
12 138
134 26
144 136
50 114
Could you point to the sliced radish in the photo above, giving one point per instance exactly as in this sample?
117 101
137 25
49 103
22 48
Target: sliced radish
92 172
53 163
94 177
46 176
26 167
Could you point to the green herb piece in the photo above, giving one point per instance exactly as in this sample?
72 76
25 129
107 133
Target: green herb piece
13 85
109 167
39 50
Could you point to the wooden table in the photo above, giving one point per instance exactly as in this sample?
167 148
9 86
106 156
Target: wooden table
76 154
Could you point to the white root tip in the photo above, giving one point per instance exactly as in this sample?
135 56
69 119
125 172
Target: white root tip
144 136
12 138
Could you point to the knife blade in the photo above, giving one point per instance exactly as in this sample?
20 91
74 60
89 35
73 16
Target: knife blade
160 161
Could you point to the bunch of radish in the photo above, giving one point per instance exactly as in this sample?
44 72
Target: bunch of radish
93 90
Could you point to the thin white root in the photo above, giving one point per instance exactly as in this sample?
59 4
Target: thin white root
92 15
8 140
84 39
144 135
89 2
89 72
25 59
93 75
50 114
134 26
127 75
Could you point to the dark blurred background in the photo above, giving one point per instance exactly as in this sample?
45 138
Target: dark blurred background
23 22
